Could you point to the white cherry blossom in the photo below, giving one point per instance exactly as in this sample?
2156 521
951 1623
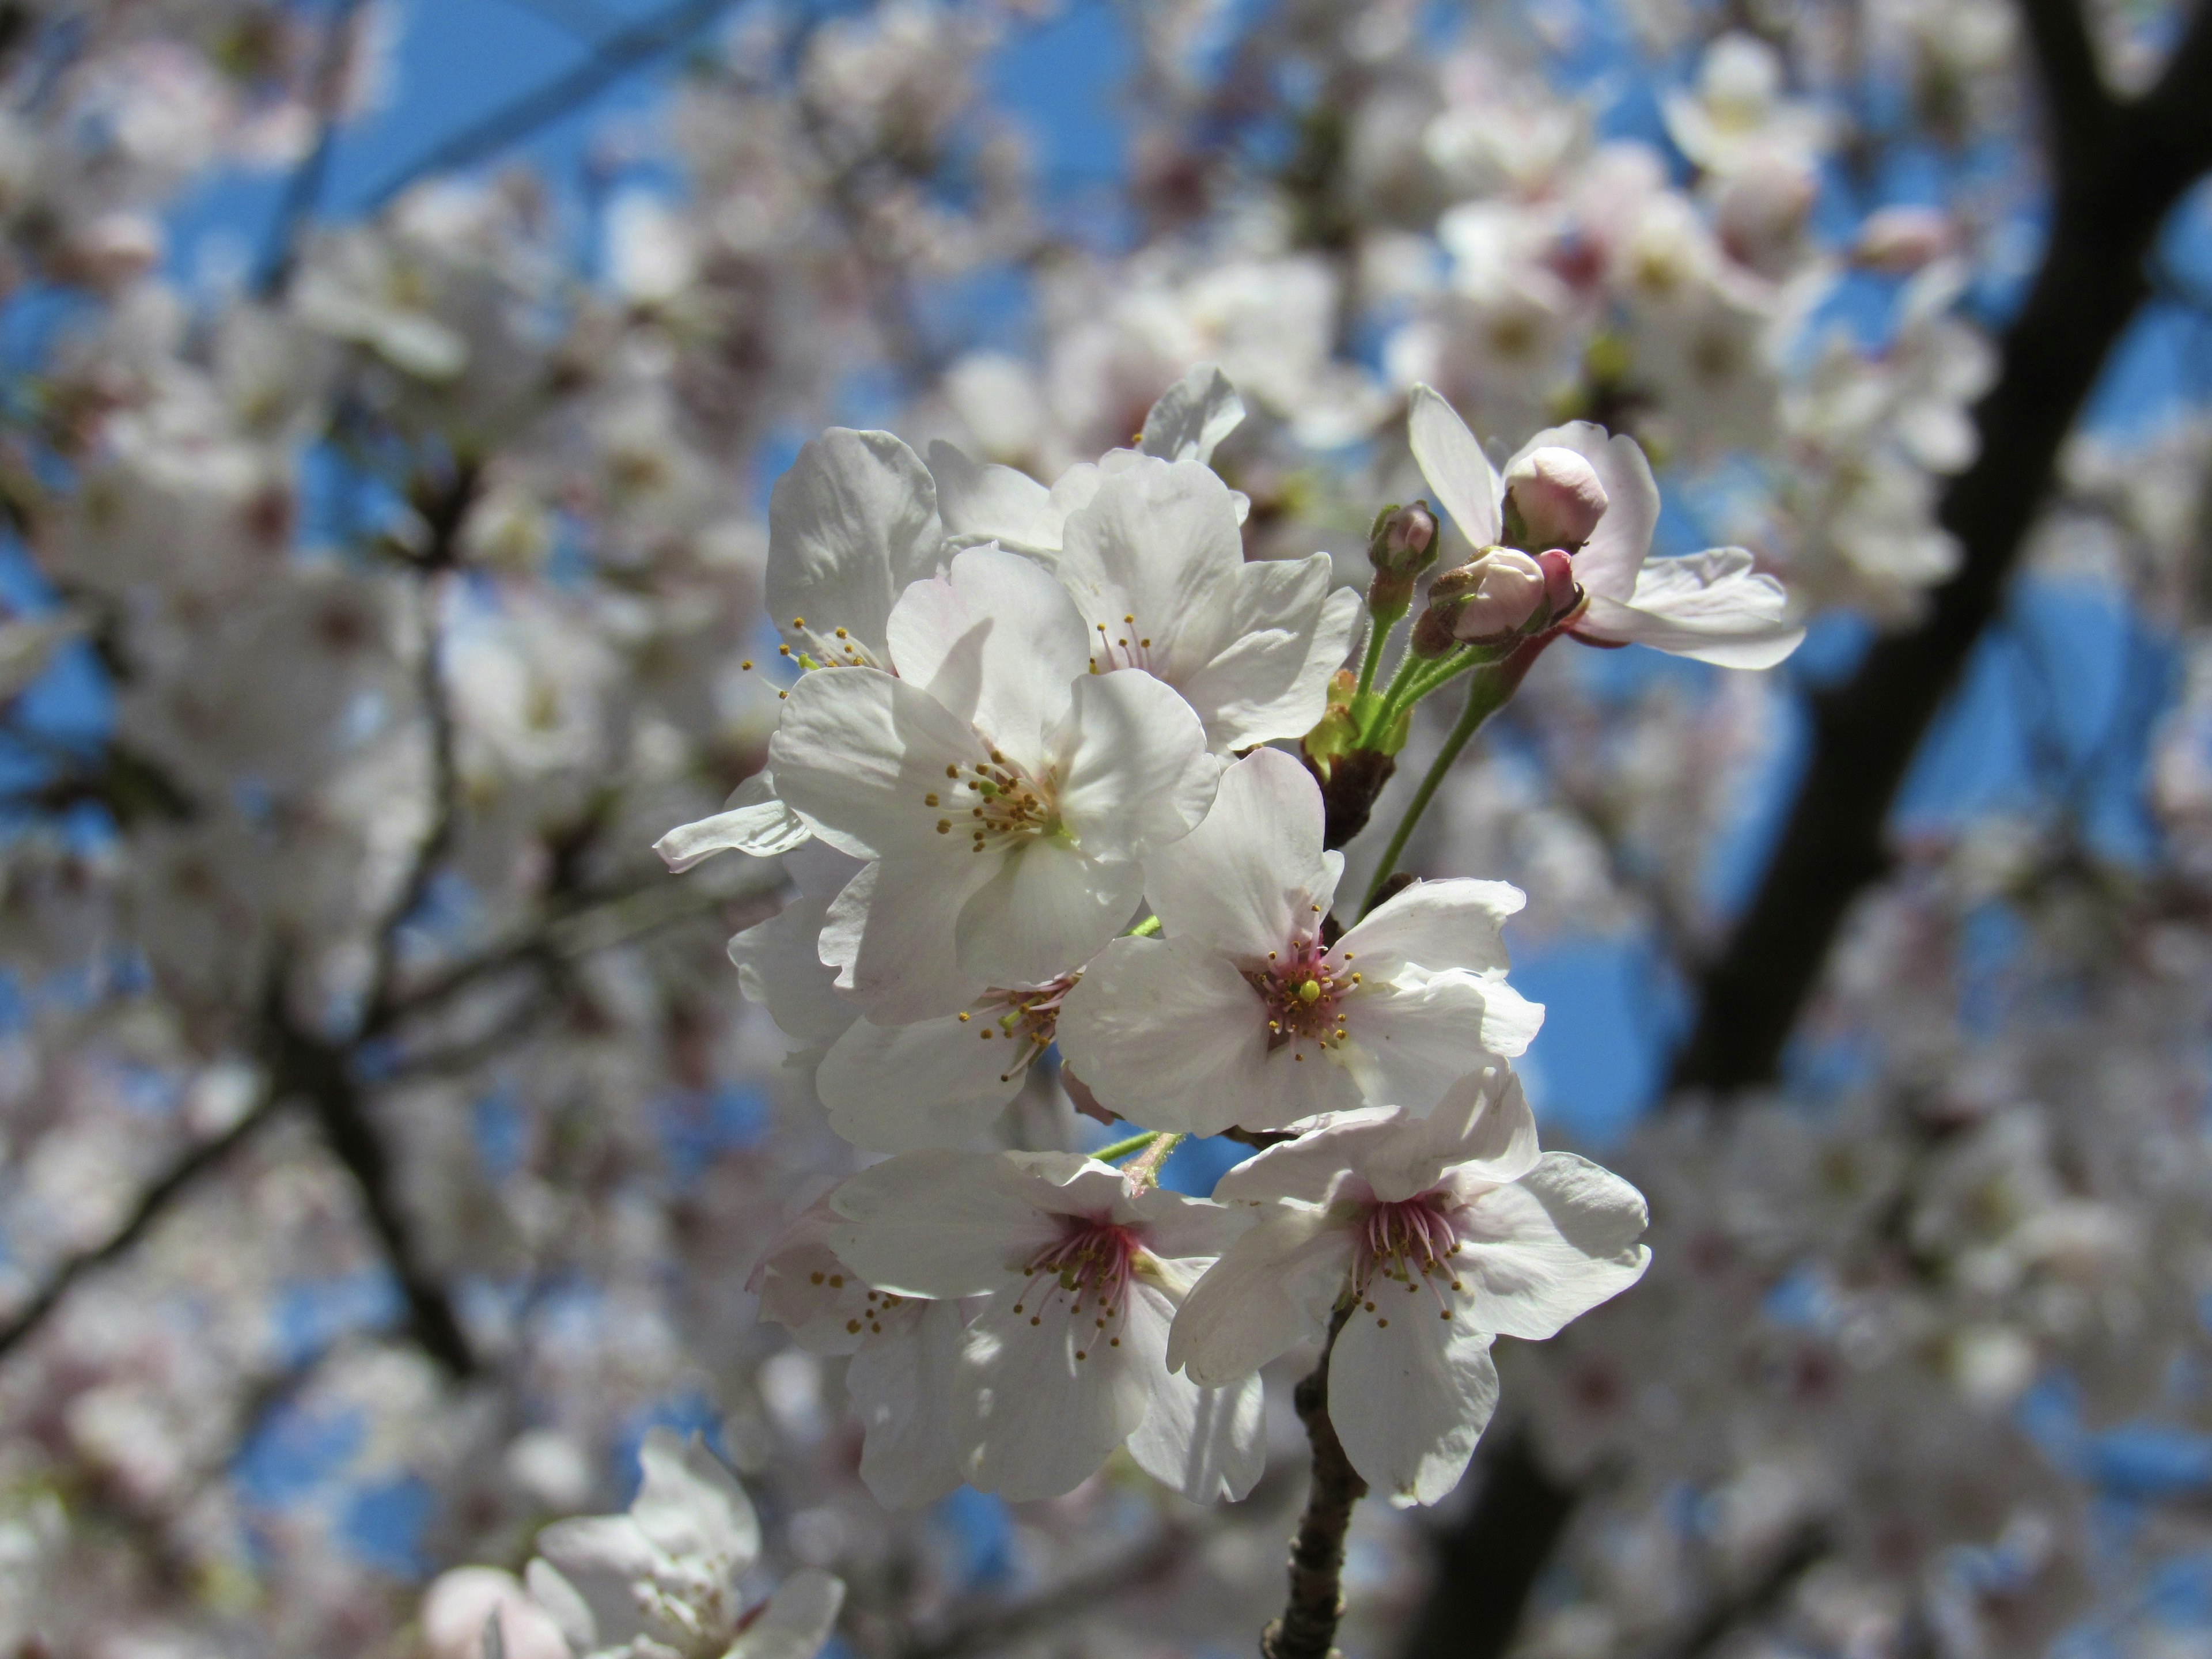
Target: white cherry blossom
1066 1360
1001 791
660 1581
1443 1231
1715 606
1241 1013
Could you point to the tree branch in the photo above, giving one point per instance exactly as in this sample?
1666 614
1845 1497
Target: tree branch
995 1627
2113 197
153 1203
305 187
1307 1629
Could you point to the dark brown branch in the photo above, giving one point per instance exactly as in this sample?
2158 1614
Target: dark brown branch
153 1204
1759 1599
1307 1629
2113 194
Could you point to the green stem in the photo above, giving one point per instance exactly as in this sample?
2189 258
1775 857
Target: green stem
1408 669
1434 677
1123 1148
1492 688
1145 929
1145 1171
1378 635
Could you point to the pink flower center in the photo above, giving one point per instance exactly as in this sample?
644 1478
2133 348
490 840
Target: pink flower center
1026 1018
1410 1242
1302 988
1126 647
1082 1277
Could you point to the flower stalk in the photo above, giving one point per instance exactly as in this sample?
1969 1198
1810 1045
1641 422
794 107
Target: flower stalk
1307 1629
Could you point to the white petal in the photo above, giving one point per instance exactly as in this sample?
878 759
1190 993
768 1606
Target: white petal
1134 773
850 525
1046 1419
1272 1290
1410 1393
907 1387
690 1506
858 752
1452 461
1608 561
892 935
1287 633
1192 415
992 502
1045 911
1249 878
1713 606
1167 1033
599 1558
1207 1443
1433 926
805 1286
797 1621
942 1224
998 641
779 966
753 821
1145 556
1310 1168
1481 1132
1550 1247
563 1603
467 1607
1410 1043
906 1088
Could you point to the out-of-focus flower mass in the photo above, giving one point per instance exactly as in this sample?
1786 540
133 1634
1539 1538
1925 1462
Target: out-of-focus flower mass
878 849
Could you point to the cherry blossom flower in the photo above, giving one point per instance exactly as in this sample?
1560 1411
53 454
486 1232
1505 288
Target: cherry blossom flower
905 1358
1066 1360
1714 606
461 1608
1240 1012
1484 1237
852 525
660 1582
1057 779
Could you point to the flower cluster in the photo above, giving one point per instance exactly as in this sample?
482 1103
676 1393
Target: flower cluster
1031 729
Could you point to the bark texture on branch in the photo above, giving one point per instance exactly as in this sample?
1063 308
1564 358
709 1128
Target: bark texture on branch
1307 1629
2117 170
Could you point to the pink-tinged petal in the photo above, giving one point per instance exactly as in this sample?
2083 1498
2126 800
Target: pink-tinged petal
599 1557
1607 564
1410 1392
906 1385
754 821
1432 926
1044 910
1209 1444
850 525
1182 1235
983 502
1714 606
1250 877
858 753
1046 1419
1134 773
892 935
940 1224
1549 1247
1284 633
797 1620
1169 1034
906 1088
1271 1291
1450 459
997 641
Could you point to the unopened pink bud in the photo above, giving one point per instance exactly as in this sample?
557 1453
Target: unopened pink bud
1557 496
1560 588
1508 585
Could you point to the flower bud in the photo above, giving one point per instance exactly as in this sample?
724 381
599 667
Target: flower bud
1561 591
1556 497
1401 545
1491 598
